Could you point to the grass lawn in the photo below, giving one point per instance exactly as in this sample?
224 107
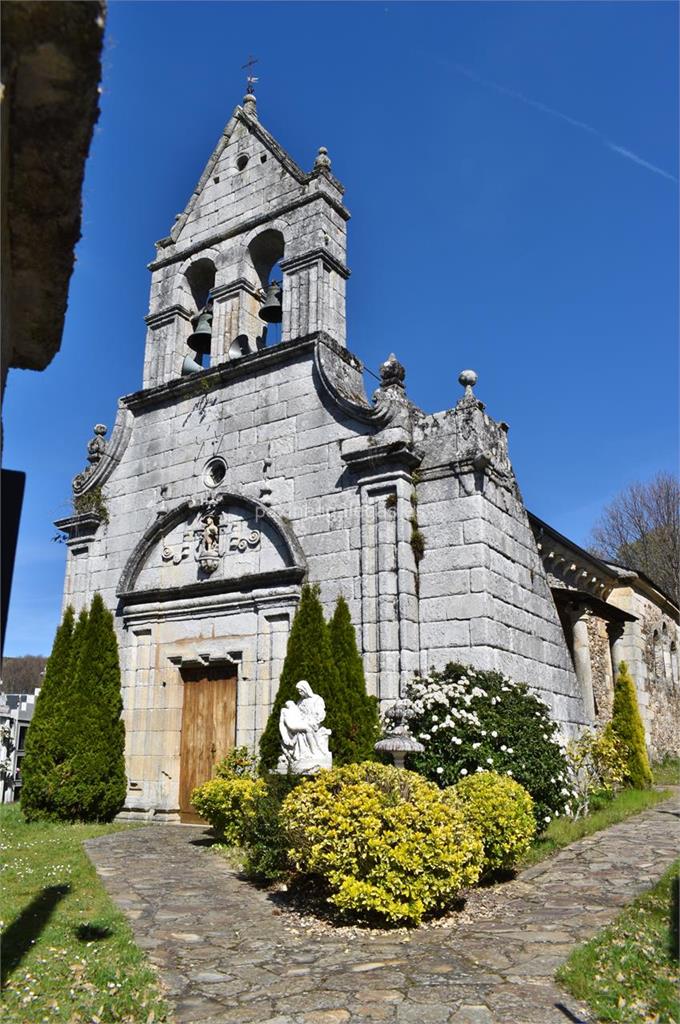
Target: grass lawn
67 953
563 831
628 973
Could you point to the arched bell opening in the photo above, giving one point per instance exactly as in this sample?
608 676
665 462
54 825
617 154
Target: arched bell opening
200 277
266 252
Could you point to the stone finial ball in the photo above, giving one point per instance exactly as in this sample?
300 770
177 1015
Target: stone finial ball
322 158
468 378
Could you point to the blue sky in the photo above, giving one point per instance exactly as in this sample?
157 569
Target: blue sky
511 173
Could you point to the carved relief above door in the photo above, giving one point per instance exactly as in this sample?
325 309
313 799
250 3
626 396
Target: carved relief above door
209 546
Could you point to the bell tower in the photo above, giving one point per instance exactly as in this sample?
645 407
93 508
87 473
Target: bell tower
260 242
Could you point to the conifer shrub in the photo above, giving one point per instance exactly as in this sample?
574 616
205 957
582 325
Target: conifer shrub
472 721
362 709
502 814
383 842
44 741
627 727
90 780
309 656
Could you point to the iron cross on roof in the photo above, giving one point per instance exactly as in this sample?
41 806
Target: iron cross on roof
250 79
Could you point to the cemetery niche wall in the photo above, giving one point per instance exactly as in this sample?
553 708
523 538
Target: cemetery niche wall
252 461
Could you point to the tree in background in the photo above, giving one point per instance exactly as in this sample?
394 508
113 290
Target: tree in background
627 727
640 528
362 710
23 674
43 744
308 656
92 780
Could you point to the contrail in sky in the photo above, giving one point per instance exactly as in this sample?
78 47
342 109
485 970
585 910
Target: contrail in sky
545 109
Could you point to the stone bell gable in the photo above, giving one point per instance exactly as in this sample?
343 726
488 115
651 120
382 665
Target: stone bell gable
227 484
253 208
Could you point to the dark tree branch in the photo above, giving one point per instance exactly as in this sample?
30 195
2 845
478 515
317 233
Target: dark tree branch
641 529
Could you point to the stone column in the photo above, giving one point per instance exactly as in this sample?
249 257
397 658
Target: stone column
237 328
616 646
388 572
314 295
167 333
582 662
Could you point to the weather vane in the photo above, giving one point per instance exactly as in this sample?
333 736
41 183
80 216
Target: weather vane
250 79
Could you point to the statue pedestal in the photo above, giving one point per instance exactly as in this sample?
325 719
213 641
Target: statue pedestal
305 766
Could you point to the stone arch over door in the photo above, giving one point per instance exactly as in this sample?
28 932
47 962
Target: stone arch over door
254 547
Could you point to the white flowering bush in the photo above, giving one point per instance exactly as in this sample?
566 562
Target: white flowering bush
472 721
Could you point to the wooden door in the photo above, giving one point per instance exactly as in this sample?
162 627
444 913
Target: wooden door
208 729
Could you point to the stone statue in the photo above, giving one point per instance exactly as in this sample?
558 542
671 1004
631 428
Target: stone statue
211 535
303 738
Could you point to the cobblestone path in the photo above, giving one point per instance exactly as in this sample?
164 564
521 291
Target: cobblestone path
226 953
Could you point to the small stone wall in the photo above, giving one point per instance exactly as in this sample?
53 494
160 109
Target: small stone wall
659 634
600 658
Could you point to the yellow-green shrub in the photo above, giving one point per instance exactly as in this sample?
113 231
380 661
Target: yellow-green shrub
501 812
383 839
228 804
238 763
628 728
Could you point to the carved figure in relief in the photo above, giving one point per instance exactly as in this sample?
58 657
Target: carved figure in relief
304 739
211 535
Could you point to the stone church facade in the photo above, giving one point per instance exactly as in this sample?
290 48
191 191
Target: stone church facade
224 487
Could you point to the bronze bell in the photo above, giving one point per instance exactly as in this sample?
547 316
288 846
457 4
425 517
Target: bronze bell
200 339
271 311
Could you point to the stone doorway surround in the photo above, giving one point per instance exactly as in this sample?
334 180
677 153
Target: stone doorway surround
175 615
162 640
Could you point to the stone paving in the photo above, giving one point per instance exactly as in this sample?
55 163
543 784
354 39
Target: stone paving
228 954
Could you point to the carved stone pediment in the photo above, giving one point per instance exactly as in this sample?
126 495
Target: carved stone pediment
221 542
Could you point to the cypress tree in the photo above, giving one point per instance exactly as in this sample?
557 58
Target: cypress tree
77 644
43 740
628 728
308 656
92 776
364 729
